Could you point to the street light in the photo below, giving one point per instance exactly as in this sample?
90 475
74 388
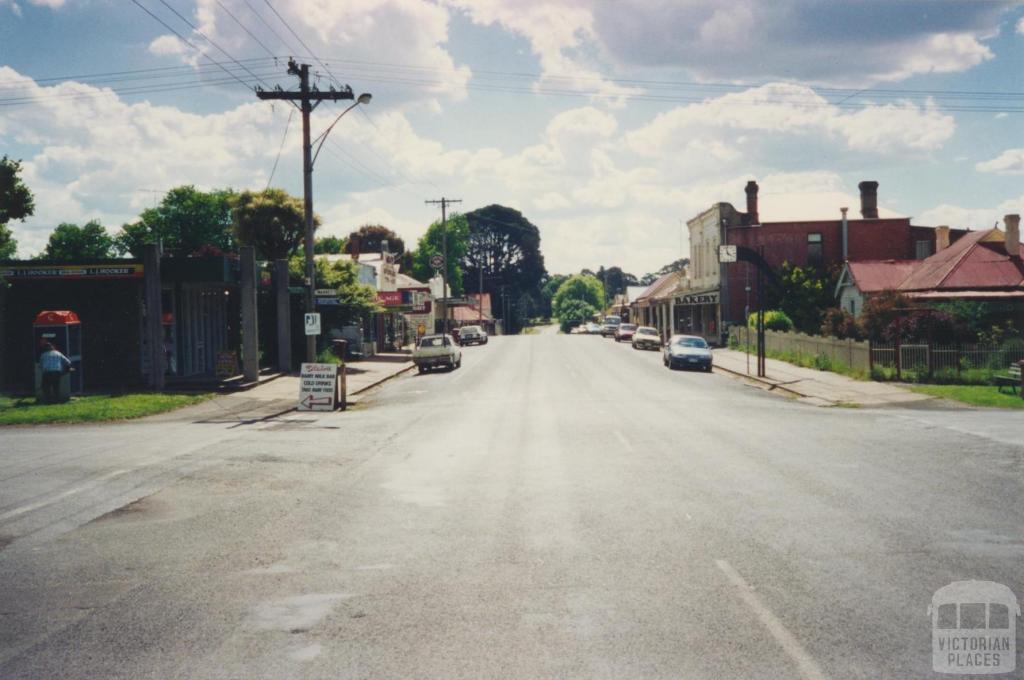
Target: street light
308 186
364 98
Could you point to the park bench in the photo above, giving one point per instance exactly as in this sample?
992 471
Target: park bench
1011 379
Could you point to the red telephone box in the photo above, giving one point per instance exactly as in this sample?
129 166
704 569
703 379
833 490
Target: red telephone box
63 330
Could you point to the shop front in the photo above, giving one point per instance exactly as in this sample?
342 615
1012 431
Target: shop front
697 313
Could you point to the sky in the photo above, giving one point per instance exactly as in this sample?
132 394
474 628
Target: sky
608 124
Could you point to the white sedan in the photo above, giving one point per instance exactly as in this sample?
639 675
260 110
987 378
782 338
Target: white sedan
437 351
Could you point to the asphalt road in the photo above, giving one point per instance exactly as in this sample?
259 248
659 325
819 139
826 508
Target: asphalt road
559 507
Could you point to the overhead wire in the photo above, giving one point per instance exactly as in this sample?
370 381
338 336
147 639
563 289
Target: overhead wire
280 148
244 28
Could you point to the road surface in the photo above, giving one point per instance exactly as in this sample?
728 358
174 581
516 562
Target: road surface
561 506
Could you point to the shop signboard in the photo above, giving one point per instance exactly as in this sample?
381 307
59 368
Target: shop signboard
73 271
708 298
390 298
318 387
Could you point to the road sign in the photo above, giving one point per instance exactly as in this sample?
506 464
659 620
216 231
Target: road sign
726 254
437 261
318 387
313 323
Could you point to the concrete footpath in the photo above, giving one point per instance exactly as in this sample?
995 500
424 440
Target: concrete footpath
280 396
811 386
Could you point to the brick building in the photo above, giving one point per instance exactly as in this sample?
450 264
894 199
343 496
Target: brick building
714 295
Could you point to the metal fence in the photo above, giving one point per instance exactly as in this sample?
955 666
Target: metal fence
977 362
851 353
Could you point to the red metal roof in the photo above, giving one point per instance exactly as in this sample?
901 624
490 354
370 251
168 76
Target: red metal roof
876 276
56 318
974 263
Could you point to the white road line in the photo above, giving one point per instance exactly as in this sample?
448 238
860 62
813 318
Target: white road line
50 501
622 438
808 666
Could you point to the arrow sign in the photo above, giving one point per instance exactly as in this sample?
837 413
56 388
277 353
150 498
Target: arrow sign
318 387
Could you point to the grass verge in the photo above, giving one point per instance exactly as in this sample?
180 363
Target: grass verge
976 395
94 408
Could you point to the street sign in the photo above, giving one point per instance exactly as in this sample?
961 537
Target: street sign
318 387
325 292
437 261
313 323
726 254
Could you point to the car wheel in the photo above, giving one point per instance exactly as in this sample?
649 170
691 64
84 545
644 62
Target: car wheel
422 369
458 364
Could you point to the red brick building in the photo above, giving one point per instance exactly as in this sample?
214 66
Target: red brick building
824 244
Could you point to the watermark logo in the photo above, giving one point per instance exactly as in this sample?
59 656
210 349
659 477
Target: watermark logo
974 628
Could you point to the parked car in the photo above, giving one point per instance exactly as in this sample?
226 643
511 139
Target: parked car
611 324
472 335
434 351
646 337
687 351
625 331
594 328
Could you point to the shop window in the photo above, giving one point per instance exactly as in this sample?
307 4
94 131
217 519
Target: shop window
814 252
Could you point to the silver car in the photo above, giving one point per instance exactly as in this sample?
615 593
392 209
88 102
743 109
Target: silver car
687 351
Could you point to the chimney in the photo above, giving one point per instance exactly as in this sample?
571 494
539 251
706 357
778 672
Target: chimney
751 190
868 200
941 238
1012 238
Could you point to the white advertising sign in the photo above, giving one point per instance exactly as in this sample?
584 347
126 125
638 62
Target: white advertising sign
318 387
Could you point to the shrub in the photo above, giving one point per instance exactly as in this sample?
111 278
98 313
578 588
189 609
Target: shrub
839 323
774 320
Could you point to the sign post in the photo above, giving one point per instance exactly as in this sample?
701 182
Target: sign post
318 387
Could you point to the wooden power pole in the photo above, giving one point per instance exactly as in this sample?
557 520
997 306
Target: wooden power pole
309 98
444 203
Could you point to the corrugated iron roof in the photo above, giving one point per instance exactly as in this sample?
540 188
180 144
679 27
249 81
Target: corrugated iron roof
665 284
876 276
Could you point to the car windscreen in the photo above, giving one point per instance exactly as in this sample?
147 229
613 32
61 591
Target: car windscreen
627 327
432 342
691 342
470 329
612 319
644 330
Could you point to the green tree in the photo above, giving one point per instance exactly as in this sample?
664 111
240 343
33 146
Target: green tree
370 238
548 290
582 287
73 243
804 294
615 280
356 300
16 203
430 244
504 251
272 221
187 221
329 245
573 313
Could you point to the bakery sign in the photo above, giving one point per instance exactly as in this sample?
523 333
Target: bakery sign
709 298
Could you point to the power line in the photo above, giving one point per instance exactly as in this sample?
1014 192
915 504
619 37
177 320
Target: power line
270 28
302 42
207 39
281 148
189 43
243 27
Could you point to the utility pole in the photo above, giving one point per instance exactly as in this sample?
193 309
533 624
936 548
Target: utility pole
309 98
444 202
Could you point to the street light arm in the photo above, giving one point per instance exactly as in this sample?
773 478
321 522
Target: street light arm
363 99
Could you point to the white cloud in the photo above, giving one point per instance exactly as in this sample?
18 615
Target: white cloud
960 217
1020 25
168 45
792 109
1009 162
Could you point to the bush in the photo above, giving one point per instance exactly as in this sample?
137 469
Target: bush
839 323
774 320
573 313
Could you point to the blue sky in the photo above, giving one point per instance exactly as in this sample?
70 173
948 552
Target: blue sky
608 124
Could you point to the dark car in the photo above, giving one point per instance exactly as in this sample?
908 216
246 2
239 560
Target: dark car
625 332
472 335
687 351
